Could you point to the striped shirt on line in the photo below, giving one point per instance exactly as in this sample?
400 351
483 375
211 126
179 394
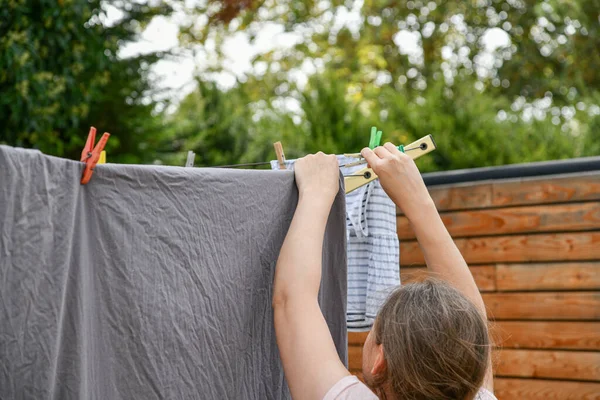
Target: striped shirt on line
373 249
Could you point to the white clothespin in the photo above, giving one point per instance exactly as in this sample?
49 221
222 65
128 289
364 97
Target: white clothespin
190 159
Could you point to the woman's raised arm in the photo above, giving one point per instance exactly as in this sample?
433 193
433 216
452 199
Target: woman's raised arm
402 181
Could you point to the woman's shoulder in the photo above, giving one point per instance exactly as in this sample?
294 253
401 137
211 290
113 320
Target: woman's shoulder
350 388
485 394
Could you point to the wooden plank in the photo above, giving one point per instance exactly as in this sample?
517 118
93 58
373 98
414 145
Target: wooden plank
583 306
568 365
462 196
549 189
357 338
518 248
485 276
355 358
531 334
563 188
545 335
536 219
533 389
548 276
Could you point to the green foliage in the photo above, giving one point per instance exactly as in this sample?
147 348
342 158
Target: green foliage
331 124
554 43
464 123
213 124
465 126
479 114
537 100
59 74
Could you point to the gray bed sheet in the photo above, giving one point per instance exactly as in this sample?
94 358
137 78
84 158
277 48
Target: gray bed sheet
150 282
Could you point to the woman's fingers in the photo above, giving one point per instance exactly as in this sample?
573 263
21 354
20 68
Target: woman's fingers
370 156
318 174
382 152
392 148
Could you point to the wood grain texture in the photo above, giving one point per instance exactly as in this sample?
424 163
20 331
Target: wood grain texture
485 276
355 358
533 246
280 154
583 306
518 248
544 190
554 335
548 276
532 389
566 365
516 192
536 219
357 338
462 196
544 335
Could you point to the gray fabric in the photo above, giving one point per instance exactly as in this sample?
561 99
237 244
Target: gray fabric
149 282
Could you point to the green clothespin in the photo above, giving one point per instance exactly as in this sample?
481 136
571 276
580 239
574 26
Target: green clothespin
401 148
372 138
375 138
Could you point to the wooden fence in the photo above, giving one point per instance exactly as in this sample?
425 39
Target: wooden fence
533 245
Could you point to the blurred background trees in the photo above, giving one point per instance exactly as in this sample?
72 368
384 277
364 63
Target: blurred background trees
60 74
494 81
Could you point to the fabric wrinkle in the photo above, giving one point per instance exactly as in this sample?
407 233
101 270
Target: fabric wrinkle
149 281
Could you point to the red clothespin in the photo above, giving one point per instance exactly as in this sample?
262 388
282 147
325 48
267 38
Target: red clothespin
90 154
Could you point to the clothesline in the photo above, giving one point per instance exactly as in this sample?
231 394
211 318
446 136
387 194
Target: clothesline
264 163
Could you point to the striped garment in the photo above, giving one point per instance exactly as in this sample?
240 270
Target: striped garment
373 249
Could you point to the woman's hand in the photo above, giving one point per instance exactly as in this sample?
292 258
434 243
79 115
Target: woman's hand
399 177
318 177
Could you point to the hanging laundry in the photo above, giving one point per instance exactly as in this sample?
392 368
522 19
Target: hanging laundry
148 282
372 247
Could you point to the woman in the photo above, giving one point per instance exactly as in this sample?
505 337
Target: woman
430 339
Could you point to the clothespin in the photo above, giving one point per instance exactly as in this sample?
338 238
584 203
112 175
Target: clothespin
190 159
374 141
91 155
102 159
280 156
375 138
362 177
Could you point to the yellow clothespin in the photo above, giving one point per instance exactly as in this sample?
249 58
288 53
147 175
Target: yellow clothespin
362 177
102 159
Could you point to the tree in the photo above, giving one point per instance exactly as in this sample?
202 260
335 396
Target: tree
525 101
60 73
532 99
552 48
215 124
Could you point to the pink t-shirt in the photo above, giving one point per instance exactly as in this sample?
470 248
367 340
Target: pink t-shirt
350 388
